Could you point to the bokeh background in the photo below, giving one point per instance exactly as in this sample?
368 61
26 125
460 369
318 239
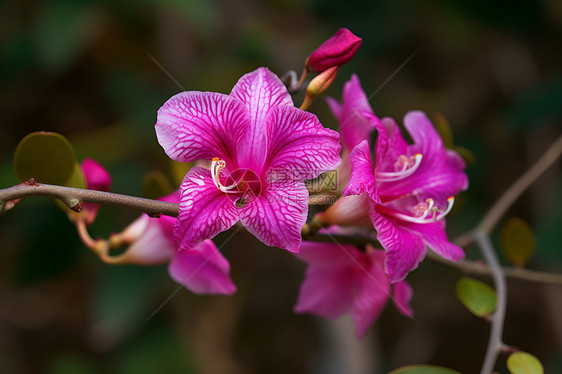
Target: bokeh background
95 71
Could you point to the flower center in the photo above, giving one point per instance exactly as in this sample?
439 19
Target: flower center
403 167
244 182
423 212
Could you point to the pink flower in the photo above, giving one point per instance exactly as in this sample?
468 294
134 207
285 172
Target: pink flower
261 149
202 270
341 279
336 51
411 189
97 178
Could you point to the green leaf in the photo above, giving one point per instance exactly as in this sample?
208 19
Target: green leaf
476 296
155 185
46 156
517 241
423 369
524 363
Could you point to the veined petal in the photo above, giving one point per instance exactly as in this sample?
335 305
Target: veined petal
276 217
259 91
326 292
404 249
204 210
202 270
402 293
194 125
362 172
372 294
435 237
299 145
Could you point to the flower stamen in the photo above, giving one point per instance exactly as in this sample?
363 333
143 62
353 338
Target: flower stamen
425 212
217 166
408 168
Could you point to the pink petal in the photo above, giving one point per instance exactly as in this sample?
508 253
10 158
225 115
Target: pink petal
277 216
372 294
402 293
362 172
335 107
205 211
328 255
354 127
202 270
259 91
435 237
299 145
390 143
326 292
404 249
194 125
151 245
97 177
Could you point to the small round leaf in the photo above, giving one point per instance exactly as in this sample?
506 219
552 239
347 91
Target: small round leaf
46 156
517 241
479 298
423 369
524 363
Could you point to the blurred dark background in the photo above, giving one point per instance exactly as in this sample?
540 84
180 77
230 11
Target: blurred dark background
97 72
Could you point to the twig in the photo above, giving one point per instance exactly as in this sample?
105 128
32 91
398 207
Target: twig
72 197
508 198
475 267
495 342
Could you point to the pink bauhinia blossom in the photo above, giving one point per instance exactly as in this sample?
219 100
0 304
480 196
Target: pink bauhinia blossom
411 188
341 279
202 270
261 150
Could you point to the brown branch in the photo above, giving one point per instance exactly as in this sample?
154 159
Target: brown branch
73 197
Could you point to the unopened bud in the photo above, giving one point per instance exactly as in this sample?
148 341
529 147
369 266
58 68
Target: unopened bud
321 82
336 51
318 85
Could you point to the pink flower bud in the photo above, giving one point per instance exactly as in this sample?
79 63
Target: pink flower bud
336 51
321 82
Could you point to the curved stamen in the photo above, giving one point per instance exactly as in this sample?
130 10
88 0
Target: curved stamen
217 166
406 171
430 209
450 202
